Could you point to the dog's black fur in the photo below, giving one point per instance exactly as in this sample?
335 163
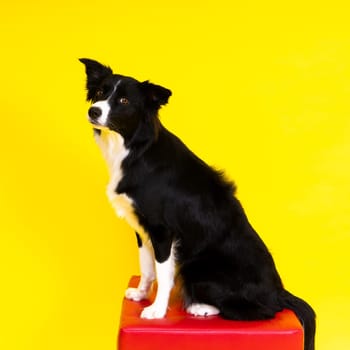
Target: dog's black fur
177 197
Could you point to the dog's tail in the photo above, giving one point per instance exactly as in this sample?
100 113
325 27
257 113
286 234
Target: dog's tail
305 314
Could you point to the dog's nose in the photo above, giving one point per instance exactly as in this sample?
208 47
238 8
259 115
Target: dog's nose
94 112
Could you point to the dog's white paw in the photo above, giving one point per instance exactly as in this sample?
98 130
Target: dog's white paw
136 294
152 312
202 310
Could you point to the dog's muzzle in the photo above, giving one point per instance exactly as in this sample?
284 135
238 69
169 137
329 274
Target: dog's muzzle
98 113
94 113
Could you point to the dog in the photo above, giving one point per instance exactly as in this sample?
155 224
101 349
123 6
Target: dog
187 219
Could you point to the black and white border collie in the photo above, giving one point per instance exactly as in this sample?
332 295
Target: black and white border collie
187 219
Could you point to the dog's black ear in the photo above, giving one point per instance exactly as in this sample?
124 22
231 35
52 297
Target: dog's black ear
156 95
95 72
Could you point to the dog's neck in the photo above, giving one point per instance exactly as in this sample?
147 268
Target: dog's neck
113 150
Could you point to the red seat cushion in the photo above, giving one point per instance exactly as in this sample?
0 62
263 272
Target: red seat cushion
181 331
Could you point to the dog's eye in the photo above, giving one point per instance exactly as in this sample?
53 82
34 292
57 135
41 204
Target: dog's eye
99 93
124 101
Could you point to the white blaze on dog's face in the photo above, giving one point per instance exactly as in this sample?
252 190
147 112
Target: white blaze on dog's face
99 111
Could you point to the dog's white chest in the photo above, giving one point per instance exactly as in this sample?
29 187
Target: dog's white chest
114 152
123 206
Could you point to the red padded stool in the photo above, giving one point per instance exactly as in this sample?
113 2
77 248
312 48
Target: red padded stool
180 331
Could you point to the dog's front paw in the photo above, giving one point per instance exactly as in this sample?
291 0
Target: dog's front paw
135 294
153 312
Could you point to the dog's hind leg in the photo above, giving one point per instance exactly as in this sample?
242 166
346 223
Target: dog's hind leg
205 310
146 256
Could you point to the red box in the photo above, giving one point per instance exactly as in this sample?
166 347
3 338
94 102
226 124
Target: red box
181 331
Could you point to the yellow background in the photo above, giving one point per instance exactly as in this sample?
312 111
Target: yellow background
260 89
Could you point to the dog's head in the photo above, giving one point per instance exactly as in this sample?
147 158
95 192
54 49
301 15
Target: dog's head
122 104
